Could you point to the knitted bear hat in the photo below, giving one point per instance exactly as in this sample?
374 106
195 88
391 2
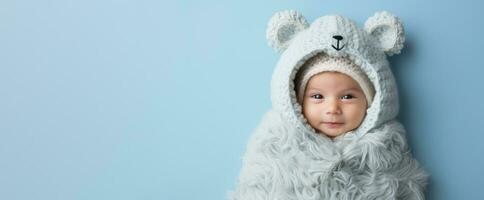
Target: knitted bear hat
323 63
290 34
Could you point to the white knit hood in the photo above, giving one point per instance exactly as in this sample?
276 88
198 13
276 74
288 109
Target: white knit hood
287 160
289 32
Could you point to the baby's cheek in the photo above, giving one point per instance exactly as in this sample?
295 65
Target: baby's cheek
359 116
311 113
352 115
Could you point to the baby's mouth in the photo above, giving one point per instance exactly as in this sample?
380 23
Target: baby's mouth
333 124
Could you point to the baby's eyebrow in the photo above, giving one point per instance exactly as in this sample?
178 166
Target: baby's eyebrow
313 89
352 89
343 90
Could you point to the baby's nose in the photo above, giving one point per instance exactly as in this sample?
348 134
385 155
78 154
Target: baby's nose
332 107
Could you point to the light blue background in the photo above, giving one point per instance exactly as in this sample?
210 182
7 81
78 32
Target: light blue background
152 99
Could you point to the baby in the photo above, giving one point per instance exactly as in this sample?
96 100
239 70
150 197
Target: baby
334 94
332 131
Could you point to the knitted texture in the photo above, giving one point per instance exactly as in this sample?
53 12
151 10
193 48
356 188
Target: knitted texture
286 159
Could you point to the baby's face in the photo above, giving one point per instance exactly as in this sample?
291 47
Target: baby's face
334 103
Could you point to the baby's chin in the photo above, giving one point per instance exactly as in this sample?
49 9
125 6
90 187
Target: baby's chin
332 133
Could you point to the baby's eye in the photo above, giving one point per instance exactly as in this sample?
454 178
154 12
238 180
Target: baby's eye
348 96
317 96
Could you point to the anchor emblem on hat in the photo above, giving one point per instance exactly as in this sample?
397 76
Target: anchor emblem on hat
338 38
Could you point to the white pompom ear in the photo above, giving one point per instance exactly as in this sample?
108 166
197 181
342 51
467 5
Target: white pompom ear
283 26
388 30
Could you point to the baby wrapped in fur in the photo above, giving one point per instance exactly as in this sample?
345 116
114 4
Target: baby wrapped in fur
288 157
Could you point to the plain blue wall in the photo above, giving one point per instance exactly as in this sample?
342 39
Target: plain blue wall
148 99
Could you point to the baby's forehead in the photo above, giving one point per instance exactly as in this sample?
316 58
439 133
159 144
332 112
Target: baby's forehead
332 76
332 79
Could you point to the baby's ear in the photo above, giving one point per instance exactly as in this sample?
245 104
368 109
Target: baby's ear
388 30
282 27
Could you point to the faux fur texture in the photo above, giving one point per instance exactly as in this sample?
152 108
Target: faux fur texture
286 159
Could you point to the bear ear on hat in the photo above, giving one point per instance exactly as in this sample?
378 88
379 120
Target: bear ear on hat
388 30
282 27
